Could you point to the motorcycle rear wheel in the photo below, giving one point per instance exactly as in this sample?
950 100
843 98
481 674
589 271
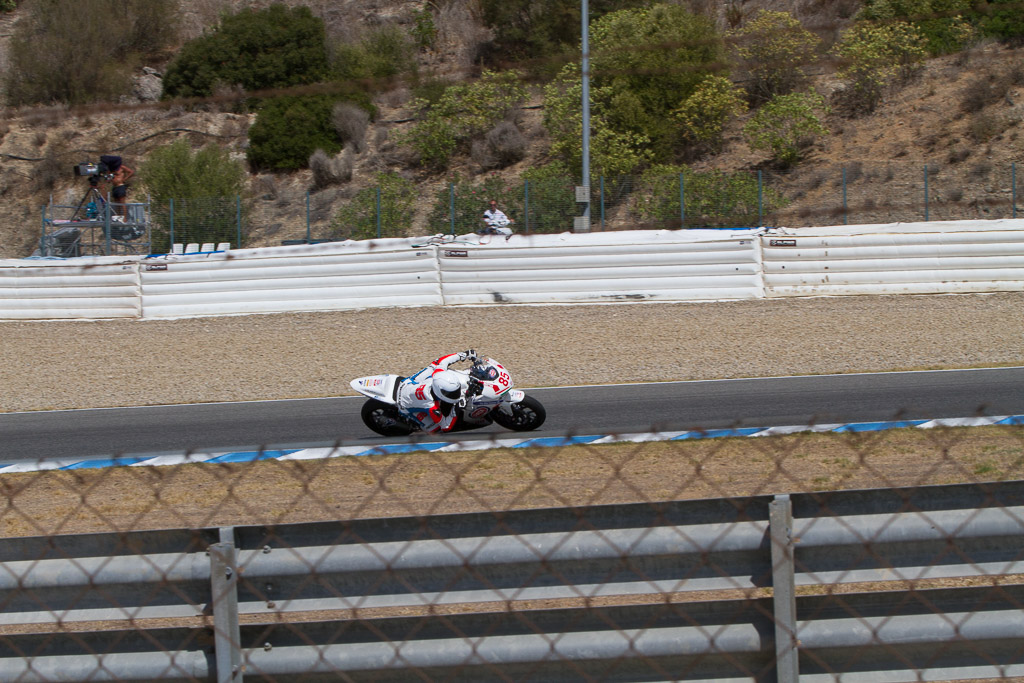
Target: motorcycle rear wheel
526 415
384 419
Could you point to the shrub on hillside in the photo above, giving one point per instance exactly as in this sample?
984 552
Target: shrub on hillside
464 111
774 47
786 124
541 28
330 170
289 129
944 25
1002 19
350 121
646 63
380 55
703 114
276 47
78 51
712 199
875 57
389 206
204 184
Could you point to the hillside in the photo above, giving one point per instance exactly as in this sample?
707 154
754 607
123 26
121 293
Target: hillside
967 135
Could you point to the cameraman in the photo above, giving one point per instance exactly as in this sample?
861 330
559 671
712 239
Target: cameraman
119 176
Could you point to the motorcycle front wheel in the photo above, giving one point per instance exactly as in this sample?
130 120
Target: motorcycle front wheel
526 415
384 419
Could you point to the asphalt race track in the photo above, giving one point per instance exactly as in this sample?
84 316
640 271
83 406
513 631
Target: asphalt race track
605 409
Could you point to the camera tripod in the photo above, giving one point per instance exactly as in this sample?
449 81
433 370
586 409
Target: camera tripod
91 194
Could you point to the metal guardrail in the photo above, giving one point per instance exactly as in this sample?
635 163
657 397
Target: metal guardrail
464 587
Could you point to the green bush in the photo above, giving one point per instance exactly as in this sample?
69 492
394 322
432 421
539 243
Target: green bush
79 51
774 46
289 129
552 199
645 64
785 124
381 54
704 113
1002 19
943 24
358 219
464 110
712 199
612 152
276 47
541 28
204 185
876 56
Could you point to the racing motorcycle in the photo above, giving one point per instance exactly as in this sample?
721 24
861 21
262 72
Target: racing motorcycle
488 397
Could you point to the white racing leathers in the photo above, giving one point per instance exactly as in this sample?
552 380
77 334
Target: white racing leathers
417 401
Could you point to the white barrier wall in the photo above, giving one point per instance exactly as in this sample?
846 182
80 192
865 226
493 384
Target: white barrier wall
902 258
105 287
679 265
322 277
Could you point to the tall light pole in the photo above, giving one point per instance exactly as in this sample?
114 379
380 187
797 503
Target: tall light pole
585 44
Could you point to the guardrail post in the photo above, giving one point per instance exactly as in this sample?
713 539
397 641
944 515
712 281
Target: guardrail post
780 517
224 603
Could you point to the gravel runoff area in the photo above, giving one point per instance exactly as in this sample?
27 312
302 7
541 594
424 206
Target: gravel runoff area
91 364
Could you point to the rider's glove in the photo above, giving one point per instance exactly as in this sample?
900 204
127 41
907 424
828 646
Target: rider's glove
469 355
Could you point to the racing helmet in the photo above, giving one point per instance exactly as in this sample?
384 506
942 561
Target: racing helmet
447 387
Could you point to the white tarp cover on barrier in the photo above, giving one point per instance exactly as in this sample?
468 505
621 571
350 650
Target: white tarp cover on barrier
83 288
662 265
900 258
681 265
319 277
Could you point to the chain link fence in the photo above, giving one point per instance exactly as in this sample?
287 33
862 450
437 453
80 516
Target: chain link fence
852 193
840 555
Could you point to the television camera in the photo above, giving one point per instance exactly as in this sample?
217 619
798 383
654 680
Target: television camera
105 169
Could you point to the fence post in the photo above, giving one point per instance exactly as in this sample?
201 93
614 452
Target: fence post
451 205
926 193
846 212
1013 188
780 530
238 220
106 225
224 603
682 203
760 199
526 204
42 234
602 202
307 217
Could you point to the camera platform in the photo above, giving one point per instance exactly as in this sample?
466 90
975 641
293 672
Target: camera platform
95 227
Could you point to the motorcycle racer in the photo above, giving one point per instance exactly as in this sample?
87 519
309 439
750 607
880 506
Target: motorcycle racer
431 395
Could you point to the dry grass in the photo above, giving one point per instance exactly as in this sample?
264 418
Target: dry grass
422 483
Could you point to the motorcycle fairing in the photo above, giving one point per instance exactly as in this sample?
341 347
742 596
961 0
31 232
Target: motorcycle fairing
380 387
